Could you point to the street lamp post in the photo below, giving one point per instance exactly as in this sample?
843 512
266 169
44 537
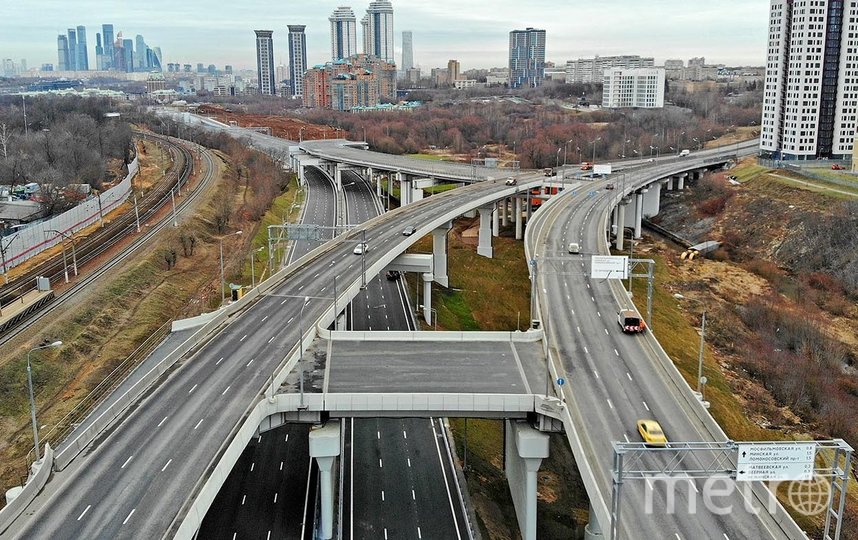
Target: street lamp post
53 345
557 159
566 151
594 149
222 275
700 380
252 269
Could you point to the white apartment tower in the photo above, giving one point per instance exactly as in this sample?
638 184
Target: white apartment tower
633 88
810 99
407 51
265 62
297 59
343 33
378 31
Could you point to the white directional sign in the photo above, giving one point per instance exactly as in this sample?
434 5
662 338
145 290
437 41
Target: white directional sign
775 462
602 169
605 267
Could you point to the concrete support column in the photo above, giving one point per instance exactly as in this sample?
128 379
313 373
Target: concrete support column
496 221
614 217
370 177
325 447
504 211
681 182
485 247
389 184
621 224
639 197
439 254
525 450
652 200
528 210
338 176
593 530
670 184
427 297
519 225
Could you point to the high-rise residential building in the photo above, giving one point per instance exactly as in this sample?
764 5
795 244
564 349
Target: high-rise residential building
62 52
407 51
592 70
365 34
82 54
343 33
72 38
99 52
107 38
158 58
265 62
453 71
380 26
360 81
810 99
297 59
526 58
641 88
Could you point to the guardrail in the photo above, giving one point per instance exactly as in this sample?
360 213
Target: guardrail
531 336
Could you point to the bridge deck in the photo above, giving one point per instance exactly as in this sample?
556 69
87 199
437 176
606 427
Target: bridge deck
480 367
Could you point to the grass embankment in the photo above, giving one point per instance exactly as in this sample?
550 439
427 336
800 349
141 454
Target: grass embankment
428 157
494 294
748 172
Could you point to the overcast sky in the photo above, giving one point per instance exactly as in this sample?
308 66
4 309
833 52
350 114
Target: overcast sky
473 31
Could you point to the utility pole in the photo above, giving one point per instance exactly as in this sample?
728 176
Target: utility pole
26 127
700 356
136 214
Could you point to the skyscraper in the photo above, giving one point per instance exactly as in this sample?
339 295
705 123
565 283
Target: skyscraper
72 38
380 25
128 55
99 52
140 47
453 71
297 58
811 91
265 62
343 33
62 52
365 34
526 58
107 37
82 55
407 51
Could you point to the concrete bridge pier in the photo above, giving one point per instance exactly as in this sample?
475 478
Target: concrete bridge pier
371 179
639 204
427 297
652 200
325 447
485 247
621 223
439 253
404 189
680 181
593 530
519 224
525 450
614 219
496 220
504 211
670 184
338 176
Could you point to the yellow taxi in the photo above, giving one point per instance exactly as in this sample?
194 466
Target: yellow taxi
651 432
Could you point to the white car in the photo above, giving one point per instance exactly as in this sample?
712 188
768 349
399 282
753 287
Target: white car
574 248
361 248
511 181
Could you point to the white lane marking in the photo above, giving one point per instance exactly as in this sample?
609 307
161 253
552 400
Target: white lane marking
678 537
378 434
199 423
726 537
382 494
404 434
281 465
162 421
419 534
588 285
290 320
586 351
596 373
272 339
269 535
166 465
265 318
225 391
234 535
252 465
129 516
593 299
243 338
385 533
380 466
413 495
626 437
629 375
287 437
243 498
606 332
85 510
579 329
191 391
611 405
251 361
127 461
444 474
645 405
409 462
219 361
599 313
284 301
275 498
616 352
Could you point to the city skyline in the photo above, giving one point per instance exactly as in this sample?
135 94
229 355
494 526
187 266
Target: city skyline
735 33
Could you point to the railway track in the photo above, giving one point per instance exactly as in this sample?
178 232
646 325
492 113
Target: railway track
113 233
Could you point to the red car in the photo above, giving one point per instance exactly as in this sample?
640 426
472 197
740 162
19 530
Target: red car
837 167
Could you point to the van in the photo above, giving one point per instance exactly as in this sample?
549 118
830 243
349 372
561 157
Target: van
684 153
574 248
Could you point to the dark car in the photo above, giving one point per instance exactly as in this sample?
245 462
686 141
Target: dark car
393 275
